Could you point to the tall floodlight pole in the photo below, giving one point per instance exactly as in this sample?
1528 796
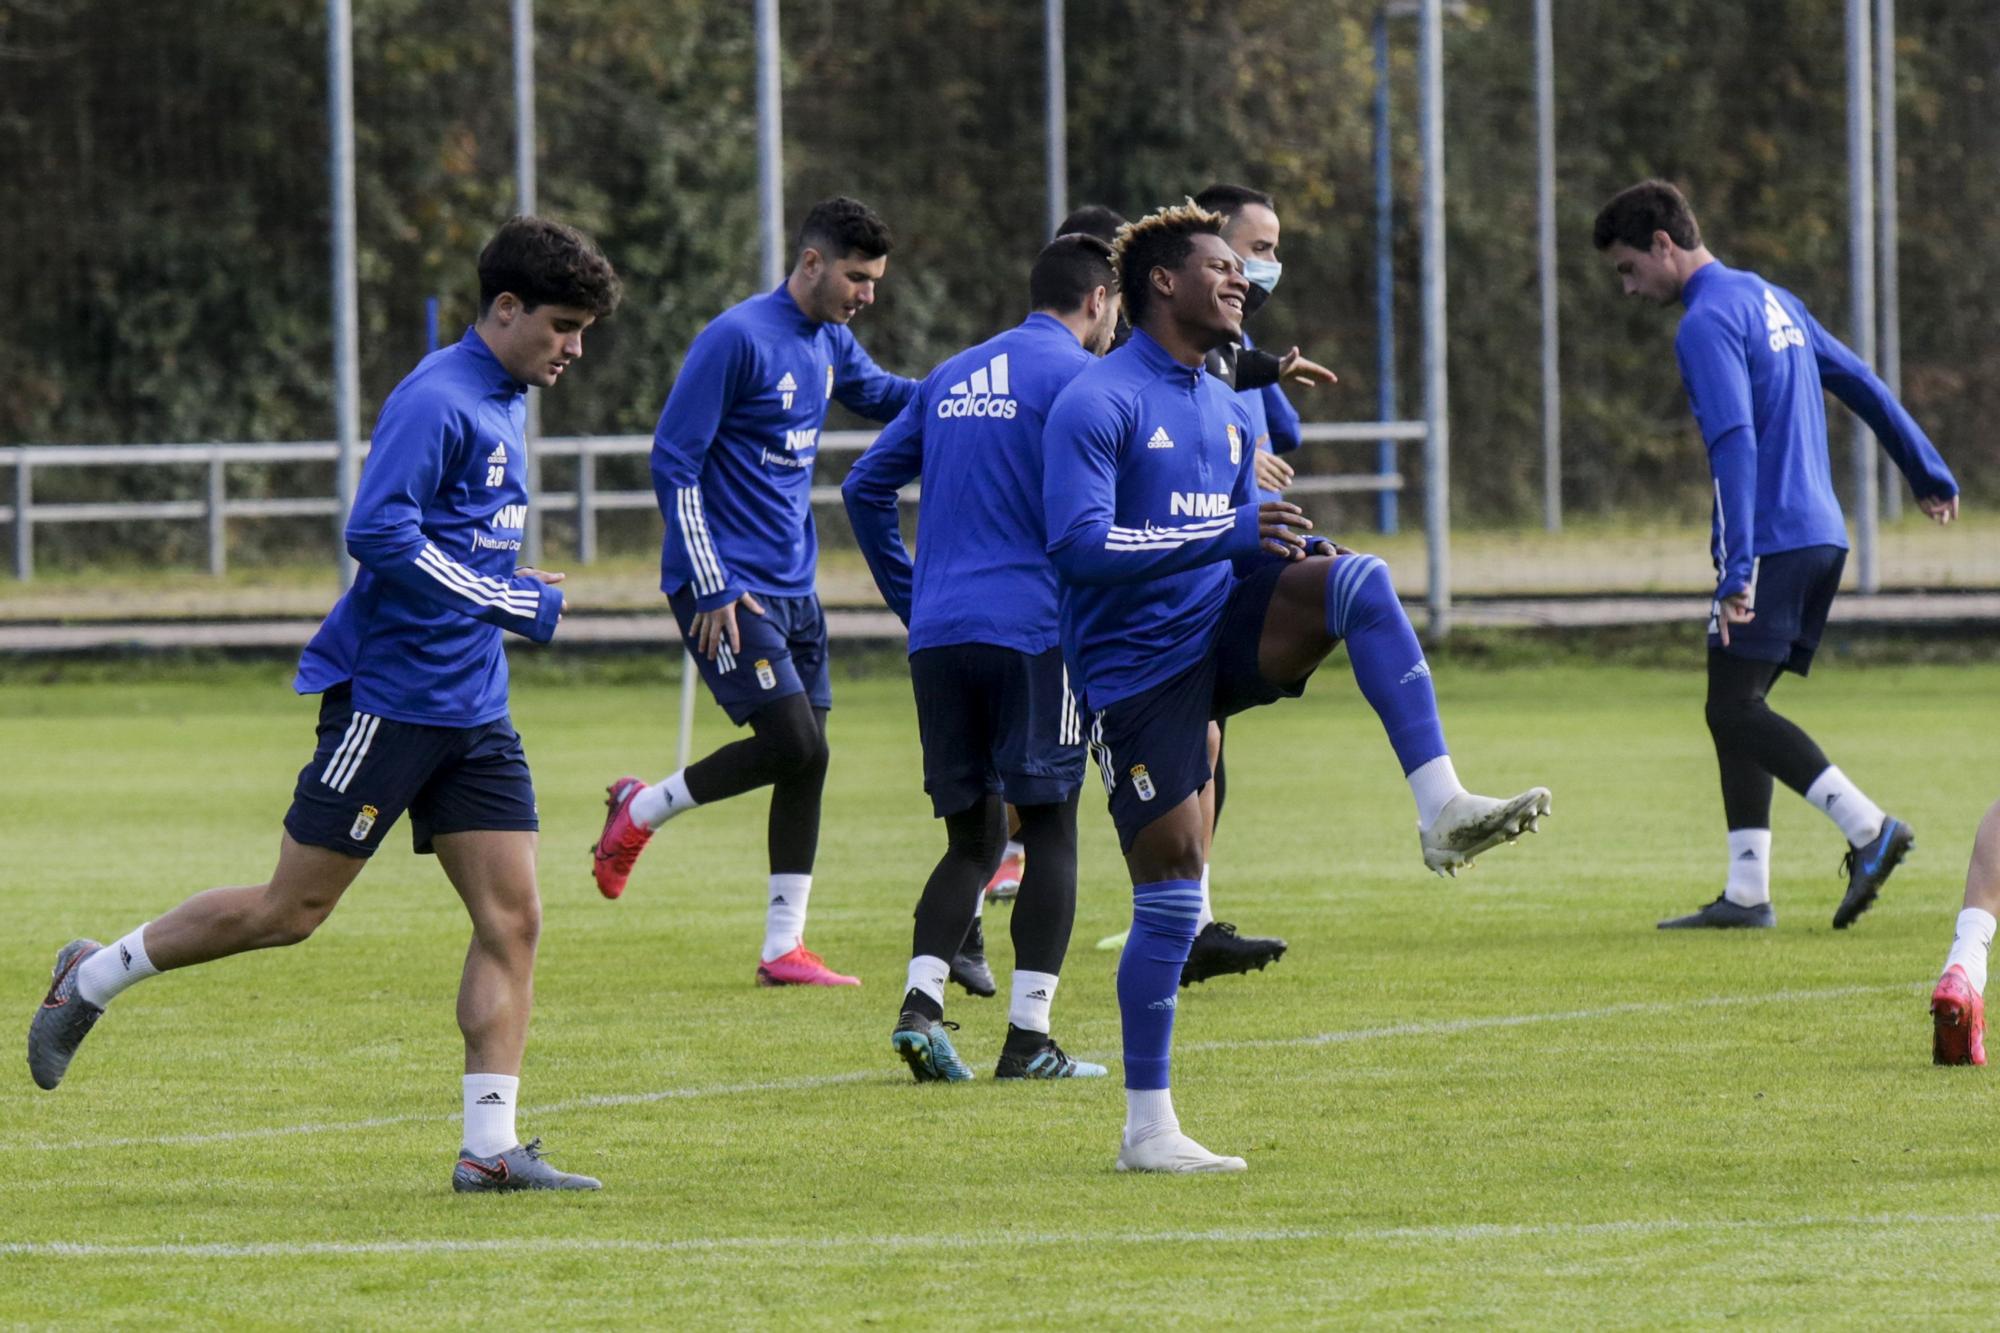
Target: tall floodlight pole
346 323
524 182
770 146
1437 438
1385 277
1056 112
1887 240
1545 211
1861 277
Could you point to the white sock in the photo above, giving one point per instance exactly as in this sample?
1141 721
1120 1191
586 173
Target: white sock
1860 819
1014 849
662 801
928 975
1749 867
1207 913
979 906
489 1113
111 969
785 916
1034 992
1970 940
1433 784
1149 1111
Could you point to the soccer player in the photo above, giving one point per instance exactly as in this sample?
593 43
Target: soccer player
732 467
1958 1004
1754 361
994 710
413 710
1148 492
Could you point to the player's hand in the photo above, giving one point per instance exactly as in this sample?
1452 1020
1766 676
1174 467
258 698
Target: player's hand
713 628
1297 371
1940 510
1281 529
1732 610
546 576
1273 472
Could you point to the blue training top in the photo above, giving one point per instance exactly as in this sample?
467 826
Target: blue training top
1147 488
436 526
1754 361
974 433
733 453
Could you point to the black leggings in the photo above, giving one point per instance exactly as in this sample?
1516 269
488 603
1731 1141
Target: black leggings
1752 743
1045 911
785 751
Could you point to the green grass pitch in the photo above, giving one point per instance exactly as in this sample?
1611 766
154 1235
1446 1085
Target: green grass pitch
1503 1099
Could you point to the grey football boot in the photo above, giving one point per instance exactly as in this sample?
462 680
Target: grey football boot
521 1167
64 1019
1725 915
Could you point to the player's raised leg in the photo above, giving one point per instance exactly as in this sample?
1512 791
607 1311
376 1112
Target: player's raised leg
1349 599
301 893
1958 1005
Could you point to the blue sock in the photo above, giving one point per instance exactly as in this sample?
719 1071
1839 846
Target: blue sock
1361 608
1149 975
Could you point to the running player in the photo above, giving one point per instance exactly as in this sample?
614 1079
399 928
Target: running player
732 467
1148 491
1754 361
993 705
413 711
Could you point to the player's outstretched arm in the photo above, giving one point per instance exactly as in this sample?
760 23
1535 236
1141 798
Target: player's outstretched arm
864 387
870 493
385 531
1850 379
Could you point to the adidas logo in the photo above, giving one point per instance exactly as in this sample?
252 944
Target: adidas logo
1748 855
1160 440
1167 1003
786 388
125 955
491 1099
1418 672
1781 332
1831 798
499 454
981 394
779 901
1038 995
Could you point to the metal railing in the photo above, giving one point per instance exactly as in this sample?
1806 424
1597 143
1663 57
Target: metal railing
24 514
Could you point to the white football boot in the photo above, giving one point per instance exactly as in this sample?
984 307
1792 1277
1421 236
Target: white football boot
1471 824
1174 1153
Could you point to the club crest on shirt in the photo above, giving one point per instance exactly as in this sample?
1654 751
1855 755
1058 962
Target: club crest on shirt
1142 782
766 678
363 823
1235 446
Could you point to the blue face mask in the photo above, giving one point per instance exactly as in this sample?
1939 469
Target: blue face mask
1263 273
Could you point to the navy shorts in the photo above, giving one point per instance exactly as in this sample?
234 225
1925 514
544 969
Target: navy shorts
783 653
1152 748
996 720
368 770
1791 593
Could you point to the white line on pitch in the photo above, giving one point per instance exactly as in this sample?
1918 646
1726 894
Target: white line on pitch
807 1082
992 1240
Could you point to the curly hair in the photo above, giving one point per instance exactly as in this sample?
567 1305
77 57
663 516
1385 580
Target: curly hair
547 263
1163 238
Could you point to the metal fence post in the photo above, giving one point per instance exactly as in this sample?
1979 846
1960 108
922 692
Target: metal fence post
1437 407
1861 277
218 521
346 282
1055 113
1385 277
1887 240
1545 212
24 516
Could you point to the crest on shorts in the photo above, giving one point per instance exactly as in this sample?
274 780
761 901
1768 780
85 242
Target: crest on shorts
1235 446
363 823
1142 782
766 678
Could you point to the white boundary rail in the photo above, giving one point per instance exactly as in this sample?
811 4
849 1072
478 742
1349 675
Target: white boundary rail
23 514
